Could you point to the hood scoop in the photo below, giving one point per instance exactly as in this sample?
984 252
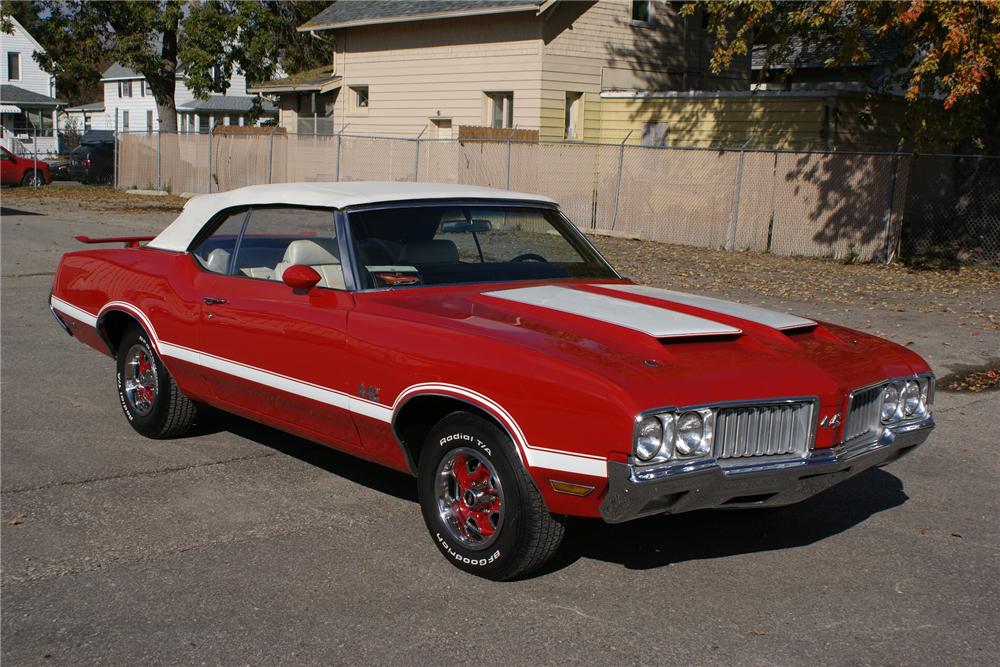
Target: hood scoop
657 322
770 318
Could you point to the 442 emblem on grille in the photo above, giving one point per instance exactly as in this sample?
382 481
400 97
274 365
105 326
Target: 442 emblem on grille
831 421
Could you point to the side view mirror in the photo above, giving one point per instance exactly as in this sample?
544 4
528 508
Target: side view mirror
300 276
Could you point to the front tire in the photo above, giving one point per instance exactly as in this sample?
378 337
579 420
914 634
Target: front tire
481 508
31 178
149 397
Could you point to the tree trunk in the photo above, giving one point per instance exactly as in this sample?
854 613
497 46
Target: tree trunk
167 110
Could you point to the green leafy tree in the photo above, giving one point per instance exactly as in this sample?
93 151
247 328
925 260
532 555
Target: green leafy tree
206 41
947 62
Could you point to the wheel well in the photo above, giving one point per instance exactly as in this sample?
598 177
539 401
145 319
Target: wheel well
421 413
113 326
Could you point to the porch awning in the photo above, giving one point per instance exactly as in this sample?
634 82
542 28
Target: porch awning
9 108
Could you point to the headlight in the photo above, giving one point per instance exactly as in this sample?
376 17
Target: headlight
890 402
648 438
669 436
926 394
911 398
691 440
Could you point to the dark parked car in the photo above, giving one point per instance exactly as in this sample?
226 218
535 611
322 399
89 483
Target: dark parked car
93 161
60 169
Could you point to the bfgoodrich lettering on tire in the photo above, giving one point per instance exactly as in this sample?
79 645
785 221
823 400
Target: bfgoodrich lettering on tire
480 506
149 397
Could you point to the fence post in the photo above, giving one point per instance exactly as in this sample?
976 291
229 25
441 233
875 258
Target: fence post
159 153
416 157
339 135
731 245
211 131
114 162
618 183
506 182
888 212
270 152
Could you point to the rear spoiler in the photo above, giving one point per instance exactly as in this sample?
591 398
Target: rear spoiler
129 241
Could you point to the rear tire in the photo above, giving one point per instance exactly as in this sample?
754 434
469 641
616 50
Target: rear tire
149 397
481 508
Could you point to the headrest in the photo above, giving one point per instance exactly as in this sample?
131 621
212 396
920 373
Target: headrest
217 261
429 252
312 252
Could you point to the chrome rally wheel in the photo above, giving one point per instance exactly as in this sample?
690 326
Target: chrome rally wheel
481 508
469 498
149 397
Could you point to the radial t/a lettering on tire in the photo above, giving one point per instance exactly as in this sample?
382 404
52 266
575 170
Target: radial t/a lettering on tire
149 397
481 508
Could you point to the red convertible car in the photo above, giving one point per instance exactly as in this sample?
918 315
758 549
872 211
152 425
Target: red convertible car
475 339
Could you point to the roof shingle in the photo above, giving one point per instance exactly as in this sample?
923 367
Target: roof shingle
14 95
342 13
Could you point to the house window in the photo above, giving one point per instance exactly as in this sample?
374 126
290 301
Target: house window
359 95
442 128
124 89
572 125
654 135
13 66
149 120
642 11
142 88
87 124
124 121
501 109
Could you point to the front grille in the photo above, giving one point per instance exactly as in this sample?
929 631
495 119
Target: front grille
763 430
863 415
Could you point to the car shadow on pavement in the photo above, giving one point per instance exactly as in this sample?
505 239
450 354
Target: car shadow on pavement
374 476
662 540
15 211
643 544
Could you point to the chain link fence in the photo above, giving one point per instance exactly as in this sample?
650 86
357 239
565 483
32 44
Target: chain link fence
846 205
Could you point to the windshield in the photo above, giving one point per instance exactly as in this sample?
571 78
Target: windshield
407 246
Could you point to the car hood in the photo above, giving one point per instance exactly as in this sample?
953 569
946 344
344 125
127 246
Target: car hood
664 348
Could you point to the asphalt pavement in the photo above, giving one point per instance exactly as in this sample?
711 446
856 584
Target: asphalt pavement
242 545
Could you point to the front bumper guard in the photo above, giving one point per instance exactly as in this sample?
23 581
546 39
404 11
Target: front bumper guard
671 488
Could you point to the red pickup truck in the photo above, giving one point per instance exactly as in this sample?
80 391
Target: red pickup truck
16 170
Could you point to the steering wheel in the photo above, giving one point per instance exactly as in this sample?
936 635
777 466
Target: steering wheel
529 257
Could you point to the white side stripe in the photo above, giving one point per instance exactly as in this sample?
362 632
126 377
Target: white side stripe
539 457
74 312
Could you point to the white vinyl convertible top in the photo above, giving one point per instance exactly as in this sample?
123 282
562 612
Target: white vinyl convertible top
200 209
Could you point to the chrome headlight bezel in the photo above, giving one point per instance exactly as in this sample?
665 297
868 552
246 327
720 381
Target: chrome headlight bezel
672 448
913 395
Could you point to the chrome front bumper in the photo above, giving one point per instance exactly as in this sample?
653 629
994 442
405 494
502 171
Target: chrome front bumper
635 491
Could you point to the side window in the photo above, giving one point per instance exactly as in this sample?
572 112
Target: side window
215 251
278 237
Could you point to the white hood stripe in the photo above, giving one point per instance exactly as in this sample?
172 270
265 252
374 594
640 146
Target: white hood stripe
658 322
770 318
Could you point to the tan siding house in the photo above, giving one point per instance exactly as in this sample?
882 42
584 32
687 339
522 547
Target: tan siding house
597 71
402 68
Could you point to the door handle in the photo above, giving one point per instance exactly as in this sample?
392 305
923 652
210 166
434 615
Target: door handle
213 300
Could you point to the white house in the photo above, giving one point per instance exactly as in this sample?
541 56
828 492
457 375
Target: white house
29 110
129 105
